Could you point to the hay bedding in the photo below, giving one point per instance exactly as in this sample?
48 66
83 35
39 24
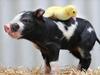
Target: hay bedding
39 71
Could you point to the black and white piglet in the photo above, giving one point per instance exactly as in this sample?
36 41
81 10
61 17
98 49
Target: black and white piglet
78 36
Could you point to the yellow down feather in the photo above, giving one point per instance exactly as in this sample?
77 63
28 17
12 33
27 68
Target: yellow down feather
61 13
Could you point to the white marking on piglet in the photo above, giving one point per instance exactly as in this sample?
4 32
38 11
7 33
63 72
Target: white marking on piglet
17 20
17 17
90 29
17 34
67 33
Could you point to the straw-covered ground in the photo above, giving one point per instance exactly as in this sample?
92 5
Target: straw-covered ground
39 71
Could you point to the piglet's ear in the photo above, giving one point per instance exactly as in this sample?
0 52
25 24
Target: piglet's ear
39 13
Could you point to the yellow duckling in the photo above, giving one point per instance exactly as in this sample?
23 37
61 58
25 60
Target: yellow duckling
61 13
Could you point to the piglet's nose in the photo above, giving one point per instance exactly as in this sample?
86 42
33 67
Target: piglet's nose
7 28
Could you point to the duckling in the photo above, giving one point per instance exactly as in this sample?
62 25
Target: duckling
61 13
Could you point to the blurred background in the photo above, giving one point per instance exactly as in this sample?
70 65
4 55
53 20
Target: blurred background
21 52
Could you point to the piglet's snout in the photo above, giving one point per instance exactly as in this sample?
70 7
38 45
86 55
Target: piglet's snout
11 27
7 28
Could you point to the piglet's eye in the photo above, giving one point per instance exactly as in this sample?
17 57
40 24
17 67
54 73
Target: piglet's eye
26 20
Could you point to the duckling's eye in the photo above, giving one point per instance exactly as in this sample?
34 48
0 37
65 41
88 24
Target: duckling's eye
74 12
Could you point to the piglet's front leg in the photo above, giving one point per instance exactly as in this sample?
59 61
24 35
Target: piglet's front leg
47 67
51 54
